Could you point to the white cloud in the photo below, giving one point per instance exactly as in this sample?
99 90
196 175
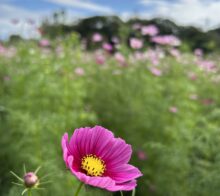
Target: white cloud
201 13
84 5
9 12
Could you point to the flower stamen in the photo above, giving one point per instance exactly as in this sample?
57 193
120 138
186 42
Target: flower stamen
93 165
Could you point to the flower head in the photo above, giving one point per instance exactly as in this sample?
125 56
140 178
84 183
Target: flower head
30 179
136 43
98 159
97 37
150 30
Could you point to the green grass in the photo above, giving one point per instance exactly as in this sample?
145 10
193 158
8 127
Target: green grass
42 97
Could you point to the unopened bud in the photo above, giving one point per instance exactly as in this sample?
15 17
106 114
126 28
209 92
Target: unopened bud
30 179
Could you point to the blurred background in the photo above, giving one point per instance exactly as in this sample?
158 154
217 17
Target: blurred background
148 70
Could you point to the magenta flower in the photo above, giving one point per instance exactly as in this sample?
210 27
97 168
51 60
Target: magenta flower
173 109
108 47
98 159
100 59
141 155
120 58
198 52
44 43
97 37
155 71
150 30
79 71
170 40
136 43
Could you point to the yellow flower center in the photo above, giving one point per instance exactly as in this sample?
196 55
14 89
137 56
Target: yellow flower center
93 165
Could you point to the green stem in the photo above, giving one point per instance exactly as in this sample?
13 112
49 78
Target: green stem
133 192
79 188
121 193
29 192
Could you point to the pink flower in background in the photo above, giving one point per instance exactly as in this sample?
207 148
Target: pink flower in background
175 53
44 43
193 96
207 101
173 109
198 52
153 56
139 55
115 40
136 43
120 58
97 37
155 71
2 49
79 71
208 66
108 47
136 26
99 159
192 76
6 78
141 155
150 30
100 59
166 40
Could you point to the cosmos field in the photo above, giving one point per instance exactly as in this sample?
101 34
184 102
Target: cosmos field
161 100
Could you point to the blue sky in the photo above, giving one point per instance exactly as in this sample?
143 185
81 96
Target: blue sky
201 13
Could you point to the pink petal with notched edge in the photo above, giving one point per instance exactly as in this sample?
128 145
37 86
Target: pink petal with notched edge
124 173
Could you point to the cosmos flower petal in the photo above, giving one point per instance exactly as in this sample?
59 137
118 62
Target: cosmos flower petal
118 153
128 186
64 147
124 173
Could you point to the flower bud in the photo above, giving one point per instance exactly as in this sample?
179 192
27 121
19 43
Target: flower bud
30 179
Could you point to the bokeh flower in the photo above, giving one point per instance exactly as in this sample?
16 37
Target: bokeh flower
150 30
79 71
98 159
136 43
173 109
155 71
97 37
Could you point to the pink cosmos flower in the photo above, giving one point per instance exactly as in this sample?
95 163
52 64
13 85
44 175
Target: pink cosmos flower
136 26
175 53
173 109
120 58
97 37
193 96
166 40
207 101
155 71
44 43
141 155
192 76
100 59
150 30
98 159
79 71
136 43
206 65
107 47
198 52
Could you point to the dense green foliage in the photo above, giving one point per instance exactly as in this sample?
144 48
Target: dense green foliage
110 26
42 97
